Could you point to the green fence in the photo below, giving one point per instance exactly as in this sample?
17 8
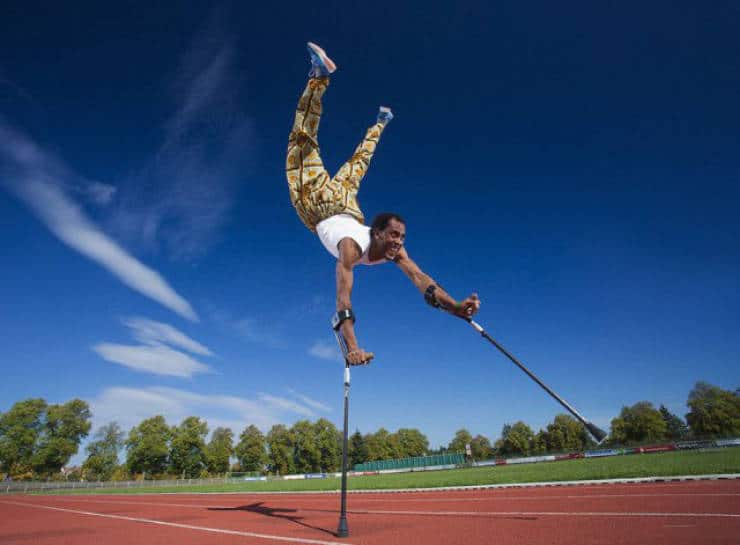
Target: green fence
418 461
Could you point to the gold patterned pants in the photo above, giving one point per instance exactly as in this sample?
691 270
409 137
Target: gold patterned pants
314 194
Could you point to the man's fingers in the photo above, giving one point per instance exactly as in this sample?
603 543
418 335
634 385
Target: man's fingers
360 357
472 304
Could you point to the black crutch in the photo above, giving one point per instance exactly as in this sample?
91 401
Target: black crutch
336 322
597 432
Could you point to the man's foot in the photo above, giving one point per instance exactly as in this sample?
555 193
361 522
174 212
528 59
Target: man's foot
321 64
384 115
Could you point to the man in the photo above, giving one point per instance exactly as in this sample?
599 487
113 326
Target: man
328 206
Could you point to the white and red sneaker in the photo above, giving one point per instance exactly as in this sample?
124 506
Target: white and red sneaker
321 64
384 115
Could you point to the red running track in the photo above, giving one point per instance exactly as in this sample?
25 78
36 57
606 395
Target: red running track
698 512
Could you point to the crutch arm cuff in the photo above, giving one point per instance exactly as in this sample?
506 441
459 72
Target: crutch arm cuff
430 297
340 316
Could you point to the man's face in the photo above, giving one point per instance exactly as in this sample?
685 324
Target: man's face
391 238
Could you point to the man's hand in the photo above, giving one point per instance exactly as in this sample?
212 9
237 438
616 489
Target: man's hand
359 357
467 307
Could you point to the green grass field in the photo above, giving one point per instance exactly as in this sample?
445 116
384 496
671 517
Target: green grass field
666 464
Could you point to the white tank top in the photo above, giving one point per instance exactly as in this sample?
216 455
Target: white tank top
332 230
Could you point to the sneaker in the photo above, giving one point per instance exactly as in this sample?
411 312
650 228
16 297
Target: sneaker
384 115
321 64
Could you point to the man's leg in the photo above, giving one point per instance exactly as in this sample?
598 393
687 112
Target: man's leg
351 173
304 168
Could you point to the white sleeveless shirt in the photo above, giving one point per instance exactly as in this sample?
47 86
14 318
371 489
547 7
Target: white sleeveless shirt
332 230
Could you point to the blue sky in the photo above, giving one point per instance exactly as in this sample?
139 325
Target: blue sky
577 167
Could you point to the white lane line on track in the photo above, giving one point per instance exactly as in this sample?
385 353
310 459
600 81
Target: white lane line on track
541 498
538 514
149 503
182 526
559 497
591 483
402 500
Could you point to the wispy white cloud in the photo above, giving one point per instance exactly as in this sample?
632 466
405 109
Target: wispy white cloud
179 199
325 350
283 404
152 333
129 406
256 331
154 355
99 193
311 402
184 194
159 360
39 180
17 100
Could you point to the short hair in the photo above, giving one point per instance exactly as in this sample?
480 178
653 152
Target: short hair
382 220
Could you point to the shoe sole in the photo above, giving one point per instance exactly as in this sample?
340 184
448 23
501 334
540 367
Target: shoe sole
385 114
326 61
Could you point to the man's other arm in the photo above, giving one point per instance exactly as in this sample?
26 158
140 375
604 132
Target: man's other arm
466 308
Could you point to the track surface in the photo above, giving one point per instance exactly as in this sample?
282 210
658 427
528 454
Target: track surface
664 513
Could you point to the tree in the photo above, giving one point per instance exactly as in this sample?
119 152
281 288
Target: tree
357 450
102 453
411 442
539 443
676 429
148 447
713 412
306 453
74 474
328 442
65 426
219 450
380 446
565 433
20 428
188 447
280 444
637 424
250 451
120 474
518 439
462 438
441 449
481 447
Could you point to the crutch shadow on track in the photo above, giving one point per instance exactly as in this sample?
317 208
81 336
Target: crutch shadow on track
274 512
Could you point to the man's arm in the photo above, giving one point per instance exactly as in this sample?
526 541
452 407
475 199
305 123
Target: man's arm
422 281
349 256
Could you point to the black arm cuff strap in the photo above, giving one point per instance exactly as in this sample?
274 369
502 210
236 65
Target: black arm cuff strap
430 297
340 316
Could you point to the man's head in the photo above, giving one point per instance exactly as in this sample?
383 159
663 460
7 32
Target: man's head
388 232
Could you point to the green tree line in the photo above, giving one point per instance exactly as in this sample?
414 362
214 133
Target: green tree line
38 439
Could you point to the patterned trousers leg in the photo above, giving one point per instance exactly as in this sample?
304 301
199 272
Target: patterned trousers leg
314 194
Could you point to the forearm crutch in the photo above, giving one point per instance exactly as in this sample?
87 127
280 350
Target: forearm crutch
336 323
597 433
